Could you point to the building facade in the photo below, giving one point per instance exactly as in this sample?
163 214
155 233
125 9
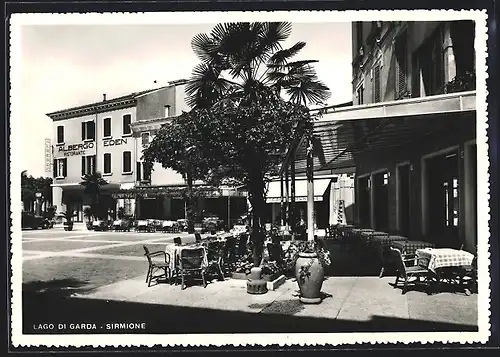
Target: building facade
410 133
426 187
99 137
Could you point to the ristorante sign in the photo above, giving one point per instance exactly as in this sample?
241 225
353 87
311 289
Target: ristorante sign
75 149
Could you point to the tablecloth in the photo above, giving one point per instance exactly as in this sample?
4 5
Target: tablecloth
444 257
410 247
175 253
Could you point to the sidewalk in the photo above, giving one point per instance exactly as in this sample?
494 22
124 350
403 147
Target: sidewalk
352 303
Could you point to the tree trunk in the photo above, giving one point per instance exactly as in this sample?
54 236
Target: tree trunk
189 203
256 191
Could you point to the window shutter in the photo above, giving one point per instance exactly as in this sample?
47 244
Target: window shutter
376 83
83 131
83 165
401 60
94 164
65 167
138 171
92 130
54 168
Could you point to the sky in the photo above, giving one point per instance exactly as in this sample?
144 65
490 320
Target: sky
69 65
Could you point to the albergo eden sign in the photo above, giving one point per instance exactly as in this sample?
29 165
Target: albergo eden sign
76 149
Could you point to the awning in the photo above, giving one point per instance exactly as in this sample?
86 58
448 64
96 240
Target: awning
274 190
344 132
127 186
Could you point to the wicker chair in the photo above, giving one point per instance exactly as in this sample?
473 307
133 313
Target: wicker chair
406 272
191 262
157 266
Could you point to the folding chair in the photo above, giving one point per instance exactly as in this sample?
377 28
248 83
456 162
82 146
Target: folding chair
156 266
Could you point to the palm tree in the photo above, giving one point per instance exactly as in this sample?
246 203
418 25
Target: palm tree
93 183
239 58
242 63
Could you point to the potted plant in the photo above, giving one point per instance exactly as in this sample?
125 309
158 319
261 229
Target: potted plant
311 258
68 223
87 212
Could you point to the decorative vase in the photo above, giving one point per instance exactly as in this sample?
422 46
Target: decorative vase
310 275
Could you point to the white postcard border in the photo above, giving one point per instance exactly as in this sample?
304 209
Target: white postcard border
19 339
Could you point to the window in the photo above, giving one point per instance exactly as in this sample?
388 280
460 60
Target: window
376 84
88 165
386 179
127 120
145 139
107 163
167 111
107 127
127 162
431 65
88 130
60 134
143 172
400 50
359 93
60 168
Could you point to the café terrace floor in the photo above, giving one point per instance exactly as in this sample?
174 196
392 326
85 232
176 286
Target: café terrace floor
56 287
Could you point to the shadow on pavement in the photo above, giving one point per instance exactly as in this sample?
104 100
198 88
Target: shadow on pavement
50 303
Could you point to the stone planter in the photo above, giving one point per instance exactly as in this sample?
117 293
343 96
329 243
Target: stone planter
310 275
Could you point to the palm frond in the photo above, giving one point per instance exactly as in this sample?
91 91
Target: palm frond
281 57
308 91
205 86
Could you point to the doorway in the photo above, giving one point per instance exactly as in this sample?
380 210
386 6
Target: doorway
404 184
443 198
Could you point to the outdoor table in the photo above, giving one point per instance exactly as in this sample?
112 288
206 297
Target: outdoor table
442 261
175 253
438 258
410 247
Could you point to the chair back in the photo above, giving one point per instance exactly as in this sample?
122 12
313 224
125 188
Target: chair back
230 249
147 254
192 259
197 236
242 243
177 241
275 253
215 251
398 259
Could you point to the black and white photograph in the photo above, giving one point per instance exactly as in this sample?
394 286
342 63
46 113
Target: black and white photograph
249 178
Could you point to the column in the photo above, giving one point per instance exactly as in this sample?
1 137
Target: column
293 213
333 208
287 197
273 213
282 202
57 199
310 191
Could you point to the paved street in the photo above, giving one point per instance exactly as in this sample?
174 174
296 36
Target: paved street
99 277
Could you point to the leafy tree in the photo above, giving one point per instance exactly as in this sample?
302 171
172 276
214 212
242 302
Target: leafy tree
31 185
93 183
248 99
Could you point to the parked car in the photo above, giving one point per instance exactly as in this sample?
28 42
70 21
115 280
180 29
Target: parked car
30 220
